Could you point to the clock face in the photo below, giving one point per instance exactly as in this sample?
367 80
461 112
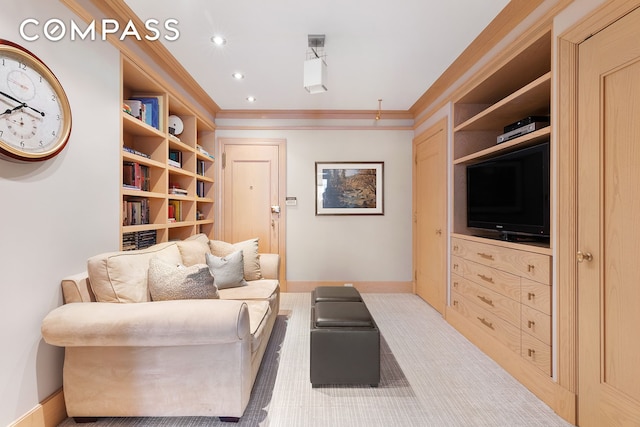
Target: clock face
35 118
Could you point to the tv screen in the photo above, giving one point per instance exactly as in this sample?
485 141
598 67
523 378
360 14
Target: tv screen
510 193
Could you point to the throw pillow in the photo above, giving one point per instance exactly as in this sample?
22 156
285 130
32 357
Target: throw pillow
170 282
192 252
249 250
228 271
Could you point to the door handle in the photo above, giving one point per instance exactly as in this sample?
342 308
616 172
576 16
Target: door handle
275 209
584 256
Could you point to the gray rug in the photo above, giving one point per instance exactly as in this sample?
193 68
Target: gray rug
430 376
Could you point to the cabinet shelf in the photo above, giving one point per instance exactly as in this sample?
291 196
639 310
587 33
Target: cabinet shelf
532 99
135 126
523 141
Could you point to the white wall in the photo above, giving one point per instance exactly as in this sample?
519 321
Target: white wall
57 213
345 248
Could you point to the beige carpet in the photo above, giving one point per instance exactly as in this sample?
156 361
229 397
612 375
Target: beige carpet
430 376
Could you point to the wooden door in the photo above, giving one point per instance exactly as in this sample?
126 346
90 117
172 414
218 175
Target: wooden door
430 201
253 193
609 226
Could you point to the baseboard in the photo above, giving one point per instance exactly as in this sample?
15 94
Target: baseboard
561 400
49 413
365 287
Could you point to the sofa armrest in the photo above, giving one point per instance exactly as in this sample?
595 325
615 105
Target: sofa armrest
147 324
76 288
270 266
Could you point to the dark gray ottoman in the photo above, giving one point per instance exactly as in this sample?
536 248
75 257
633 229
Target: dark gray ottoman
335 293
345 344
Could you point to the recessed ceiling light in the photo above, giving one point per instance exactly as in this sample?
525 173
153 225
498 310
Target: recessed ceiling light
251 98
218 40
237 76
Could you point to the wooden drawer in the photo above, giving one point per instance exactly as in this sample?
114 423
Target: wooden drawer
500 329
537 353
498 281
536 324
531 265
499 305
536 295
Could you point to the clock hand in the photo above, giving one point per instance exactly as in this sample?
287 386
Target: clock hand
9 111
22 104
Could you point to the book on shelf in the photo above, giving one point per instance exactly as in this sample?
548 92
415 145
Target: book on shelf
178 191
136 108
135 212
150 109
175 158
174 163
138 239
200 188
201 150
175 210
133 151
135 176
200 167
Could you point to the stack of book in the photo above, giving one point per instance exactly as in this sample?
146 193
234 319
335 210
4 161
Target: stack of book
138 239
145 108
135 176
135 212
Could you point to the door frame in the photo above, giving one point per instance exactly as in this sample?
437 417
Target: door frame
281 143
566 127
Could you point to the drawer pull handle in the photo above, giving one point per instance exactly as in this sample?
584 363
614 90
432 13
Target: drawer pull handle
455 248
455 285
455 267
485 300
485 278
531 324
531 268
531 352
531 296
485 323
455 303
485 256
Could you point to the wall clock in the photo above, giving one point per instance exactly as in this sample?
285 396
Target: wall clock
35 116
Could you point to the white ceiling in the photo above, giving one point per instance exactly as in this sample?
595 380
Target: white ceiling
389 50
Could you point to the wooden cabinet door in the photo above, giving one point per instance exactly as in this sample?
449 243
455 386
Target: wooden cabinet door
430 201
608 226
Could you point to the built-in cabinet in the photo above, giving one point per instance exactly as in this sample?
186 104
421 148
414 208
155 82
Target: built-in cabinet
501 292
167 180
506 292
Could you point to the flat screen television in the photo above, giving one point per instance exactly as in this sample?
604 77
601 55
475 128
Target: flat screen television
509 194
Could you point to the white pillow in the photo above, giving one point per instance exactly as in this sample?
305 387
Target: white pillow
228 271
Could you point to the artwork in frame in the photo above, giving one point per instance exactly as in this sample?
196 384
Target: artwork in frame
349 188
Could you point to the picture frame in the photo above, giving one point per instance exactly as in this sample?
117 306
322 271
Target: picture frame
349 188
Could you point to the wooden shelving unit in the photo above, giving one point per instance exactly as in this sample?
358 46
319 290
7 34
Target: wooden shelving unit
502 290
145 212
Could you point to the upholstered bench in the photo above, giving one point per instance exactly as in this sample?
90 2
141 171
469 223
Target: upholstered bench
345 344
335 294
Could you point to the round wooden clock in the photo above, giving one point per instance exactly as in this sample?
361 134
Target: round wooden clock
35 116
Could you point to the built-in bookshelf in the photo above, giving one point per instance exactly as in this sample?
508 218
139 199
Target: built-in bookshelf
166 180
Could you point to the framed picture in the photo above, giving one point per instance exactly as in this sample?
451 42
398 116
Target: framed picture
354 188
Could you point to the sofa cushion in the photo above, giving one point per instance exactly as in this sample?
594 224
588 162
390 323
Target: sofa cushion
227 271
257 290
193 252
122 276
170 281
249 250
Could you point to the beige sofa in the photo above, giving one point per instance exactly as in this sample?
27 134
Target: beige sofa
126 355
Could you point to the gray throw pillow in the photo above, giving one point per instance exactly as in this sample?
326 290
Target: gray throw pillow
228 270
170 282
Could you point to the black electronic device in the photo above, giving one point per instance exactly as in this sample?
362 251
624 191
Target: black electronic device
526 121
509 194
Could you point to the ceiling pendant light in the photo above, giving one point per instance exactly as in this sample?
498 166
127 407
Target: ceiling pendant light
315 67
